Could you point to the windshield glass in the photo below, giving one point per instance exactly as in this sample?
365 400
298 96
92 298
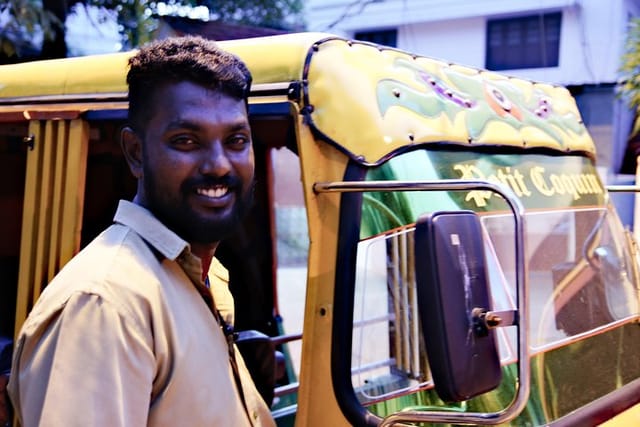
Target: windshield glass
579 267
579 271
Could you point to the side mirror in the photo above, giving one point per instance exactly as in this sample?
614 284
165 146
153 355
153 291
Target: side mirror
453 298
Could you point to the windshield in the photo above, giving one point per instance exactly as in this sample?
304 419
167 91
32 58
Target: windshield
579 266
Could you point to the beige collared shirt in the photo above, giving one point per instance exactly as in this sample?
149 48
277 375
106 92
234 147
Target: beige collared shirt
122 337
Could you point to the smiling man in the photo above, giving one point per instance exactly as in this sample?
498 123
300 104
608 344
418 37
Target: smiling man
129 333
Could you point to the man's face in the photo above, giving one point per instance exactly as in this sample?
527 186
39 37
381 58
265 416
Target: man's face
198 165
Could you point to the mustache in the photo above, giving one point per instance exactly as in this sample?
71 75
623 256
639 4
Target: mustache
230 181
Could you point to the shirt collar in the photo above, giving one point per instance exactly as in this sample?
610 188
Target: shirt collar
140 220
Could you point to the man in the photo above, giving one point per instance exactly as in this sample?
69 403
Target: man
128 333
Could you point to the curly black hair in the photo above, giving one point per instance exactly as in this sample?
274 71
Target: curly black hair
176 59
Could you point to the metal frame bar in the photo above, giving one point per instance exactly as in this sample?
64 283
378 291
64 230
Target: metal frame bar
623 188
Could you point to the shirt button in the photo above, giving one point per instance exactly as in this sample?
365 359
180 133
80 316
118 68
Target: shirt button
255 415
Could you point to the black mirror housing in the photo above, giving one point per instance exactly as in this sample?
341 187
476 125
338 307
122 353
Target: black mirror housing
453 290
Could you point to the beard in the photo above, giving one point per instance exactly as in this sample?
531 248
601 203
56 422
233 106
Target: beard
178 215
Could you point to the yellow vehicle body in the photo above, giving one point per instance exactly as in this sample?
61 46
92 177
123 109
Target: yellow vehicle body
353 112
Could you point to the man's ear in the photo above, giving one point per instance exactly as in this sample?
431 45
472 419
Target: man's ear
132 149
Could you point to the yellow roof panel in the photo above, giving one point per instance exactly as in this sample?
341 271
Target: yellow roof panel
371 101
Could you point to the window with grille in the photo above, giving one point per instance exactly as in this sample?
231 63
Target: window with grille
383 37
523 42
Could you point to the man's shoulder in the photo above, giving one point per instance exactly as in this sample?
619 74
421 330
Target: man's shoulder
116 248
116 270
110 266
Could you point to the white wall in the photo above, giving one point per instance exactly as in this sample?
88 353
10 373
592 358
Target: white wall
592 33
381 13
444 40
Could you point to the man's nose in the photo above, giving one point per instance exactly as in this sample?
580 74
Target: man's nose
215 161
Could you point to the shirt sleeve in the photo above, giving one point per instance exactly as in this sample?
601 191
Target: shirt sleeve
85 365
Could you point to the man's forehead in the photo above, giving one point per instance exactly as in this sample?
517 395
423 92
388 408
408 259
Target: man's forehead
186 96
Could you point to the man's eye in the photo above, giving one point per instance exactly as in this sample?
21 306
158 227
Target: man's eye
238 141
183 141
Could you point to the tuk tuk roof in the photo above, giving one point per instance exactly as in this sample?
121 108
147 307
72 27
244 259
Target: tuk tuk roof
367 100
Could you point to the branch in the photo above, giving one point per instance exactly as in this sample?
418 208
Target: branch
346 14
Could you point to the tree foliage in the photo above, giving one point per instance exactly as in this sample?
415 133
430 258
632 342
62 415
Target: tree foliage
22 21
137 19
260 13
629 86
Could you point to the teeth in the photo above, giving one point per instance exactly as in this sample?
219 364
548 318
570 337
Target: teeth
213 192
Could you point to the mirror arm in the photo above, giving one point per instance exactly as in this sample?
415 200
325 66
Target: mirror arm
484 320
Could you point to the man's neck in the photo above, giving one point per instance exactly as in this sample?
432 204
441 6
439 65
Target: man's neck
205 252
